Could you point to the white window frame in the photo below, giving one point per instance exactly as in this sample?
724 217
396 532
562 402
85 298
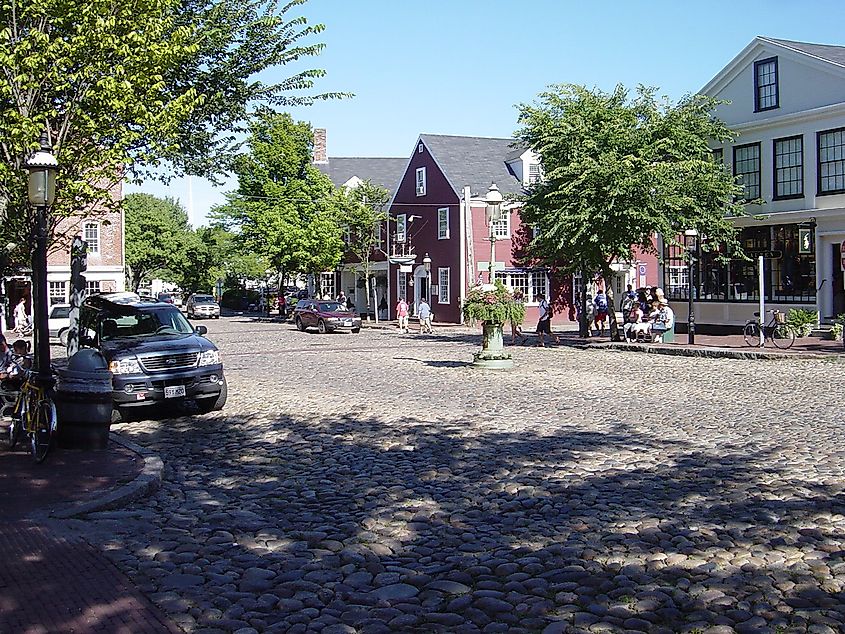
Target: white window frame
420 148
502 228
57 293
327 282
443 223
401 286
443 285
535 175
678 277
378 239
530 276
92 287
420 181
93 243
401 228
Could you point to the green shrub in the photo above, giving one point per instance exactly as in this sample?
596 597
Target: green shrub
836 332
495 305
802 321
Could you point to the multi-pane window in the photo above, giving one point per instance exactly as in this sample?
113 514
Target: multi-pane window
747 168
789 272
766 84
533 173
831 161
377 237
420 181
789 167
92 287
502 228
327 287
539 285
401 285
401 227
58 293
91 236
443 223
718 156
443 285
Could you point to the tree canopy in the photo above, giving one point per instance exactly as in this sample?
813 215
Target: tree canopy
122 88
157 235
284 208
618 171
365 215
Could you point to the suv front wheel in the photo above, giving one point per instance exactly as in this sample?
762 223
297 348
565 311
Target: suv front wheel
299 324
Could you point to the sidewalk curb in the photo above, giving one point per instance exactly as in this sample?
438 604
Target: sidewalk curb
714 353
146 482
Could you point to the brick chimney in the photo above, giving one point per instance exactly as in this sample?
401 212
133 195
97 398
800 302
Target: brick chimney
320 155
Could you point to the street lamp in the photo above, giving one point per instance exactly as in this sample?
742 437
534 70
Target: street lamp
427 264
691 238
493 214
41 190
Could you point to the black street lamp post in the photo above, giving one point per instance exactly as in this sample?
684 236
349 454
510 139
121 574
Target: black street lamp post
692 247
41 186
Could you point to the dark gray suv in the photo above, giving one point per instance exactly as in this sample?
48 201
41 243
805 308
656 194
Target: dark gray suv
154 354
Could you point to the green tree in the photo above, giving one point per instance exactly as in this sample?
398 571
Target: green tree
618 171
365 215
284 208
157 237
122 88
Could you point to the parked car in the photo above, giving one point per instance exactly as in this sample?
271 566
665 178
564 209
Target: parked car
58 321
154 354
167 298
325 316
200 305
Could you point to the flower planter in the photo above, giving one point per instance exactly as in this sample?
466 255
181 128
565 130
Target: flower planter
492 355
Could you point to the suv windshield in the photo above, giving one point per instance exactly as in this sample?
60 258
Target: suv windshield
168 321
203 299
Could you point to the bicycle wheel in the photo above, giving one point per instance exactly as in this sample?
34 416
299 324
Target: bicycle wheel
783 336
45 427
751 334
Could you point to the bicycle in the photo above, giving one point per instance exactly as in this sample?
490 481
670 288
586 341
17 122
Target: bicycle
781 333
34 413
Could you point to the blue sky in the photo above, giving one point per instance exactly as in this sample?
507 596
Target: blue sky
462 66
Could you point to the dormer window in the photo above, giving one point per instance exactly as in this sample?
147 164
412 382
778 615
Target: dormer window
533 173
420 181
766 84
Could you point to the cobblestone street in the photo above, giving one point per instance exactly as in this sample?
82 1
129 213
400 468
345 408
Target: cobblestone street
377 482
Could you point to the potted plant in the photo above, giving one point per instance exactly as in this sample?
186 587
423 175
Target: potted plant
493 305
802 321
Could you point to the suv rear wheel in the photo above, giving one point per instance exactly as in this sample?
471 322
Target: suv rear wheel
321 327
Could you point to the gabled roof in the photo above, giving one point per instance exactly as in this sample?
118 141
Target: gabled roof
821 55
385 172
825 52
474 161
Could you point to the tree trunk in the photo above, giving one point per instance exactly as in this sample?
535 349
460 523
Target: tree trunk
615 335
367 291
583 326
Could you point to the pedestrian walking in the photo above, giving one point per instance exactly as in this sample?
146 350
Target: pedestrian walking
425 317
402 314
341 298
544 323
601 310
21 317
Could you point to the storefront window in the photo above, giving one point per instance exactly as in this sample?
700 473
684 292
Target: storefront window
788 275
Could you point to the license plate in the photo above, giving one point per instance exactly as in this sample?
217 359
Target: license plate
348 322
172 391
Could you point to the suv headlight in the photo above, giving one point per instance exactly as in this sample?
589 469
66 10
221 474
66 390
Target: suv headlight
209 357
128 365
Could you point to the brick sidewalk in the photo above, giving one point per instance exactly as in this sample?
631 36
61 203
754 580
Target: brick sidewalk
51 583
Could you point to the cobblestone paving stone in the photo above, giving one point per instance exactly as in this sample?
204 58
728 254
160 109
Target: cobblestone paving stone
376 482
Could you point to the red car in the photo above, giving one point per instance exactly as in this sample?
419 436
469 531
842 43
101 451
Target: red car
325 316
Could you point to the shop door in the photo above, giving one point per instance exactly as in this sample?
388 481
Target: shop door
837 279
